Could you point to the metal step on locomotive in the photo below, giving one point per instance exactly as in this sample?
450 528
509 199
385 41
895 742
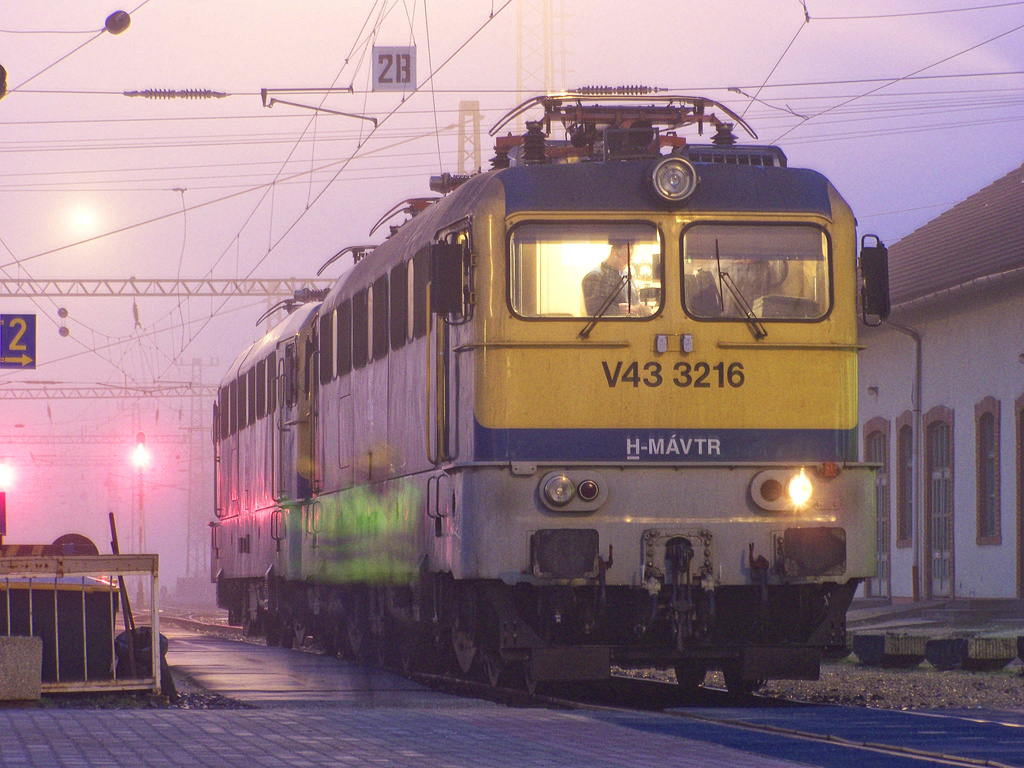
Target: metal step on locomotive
594 406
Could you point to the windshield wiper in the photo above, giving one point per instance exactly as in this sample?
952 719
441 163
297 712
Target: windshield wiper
725 280
612 295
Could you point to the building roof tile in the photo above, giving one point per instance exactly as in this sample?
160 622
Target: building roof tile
979 237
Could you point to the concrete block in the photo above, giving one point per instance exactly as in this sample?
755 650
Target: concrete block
889 650
990 652
974 653
21 668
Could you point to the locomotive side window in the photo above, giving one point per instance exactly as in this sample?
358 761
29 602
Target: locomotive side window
250 380
399 304
261 389
225 414
360 346
242 415
271 382
381 327
326 347
344 338
291 376
233 405
421 278
586 270
771 272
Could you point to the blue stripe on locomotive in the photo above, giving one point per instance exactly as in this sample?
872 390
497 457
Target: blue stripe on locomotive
627 187
665 445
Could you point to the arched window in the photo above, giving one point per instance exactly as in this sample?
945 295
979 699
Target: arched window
938 497
986 415
904 470
877 452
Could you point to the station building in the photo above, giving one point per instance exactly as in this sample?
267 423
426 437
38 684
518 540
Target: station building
942 404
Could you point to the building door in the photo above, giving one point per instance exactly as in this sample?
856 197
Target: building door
940 507
877 452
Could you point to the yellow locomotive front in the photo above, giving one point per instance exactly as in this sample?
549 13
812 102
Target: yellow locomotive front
664 418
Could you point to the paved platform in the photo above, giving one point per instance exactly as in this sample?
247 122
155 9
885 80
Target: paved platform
273 677
308 711
474 737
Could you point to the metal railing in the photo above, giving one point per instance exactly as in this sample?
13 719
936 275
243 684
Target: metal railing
95 579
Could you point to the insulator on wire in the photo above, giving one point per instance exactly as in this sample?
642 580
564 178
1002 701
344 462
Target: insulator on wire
534 144
616 90
162 93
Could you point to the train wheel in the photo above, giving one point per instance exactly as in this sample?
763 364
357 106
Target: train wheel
533 686
272 625
250 626
465 648
690 677
299 633
735 684
354 638
330 637
413 655
287 633
494 667
355 634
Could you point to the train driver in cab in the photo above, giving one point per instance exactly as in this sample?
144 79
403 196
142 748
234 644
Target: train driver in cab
610 286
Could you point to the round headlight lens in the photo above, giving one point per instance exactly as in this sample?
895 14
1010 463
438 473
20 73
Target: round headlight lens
588 490
559 490
771 490
674 179
800 489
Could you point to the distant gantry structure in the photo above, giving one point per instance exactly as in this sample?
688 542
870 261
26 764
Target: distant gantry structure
62 391
134 287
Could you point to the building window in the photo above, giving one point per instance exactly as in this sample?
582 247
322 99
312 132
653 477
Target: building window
938 501
904 484
986 423
1018 408
876 451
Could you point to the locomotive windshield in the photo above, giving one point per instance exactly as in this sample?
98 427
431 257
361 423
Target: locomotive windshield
766 271
586 270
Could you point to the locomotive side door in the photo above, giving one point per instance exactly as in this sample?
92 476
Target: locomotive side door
288 377
451 302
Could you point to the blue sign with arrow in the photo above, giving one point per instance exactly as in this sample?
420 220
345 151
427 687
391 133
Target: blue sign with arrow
17 341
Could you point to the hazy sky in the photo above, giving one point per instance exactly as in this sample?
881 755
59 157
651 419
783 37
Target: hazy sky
906 108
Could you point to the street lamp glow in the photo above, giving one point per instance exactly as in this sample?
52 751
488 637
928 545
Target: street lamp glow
6 476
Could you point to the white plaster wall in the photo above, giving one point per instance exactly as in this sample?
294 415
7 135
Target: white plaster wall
972 343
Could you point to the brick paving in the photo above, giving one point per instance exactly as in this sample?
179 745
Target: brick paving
478 737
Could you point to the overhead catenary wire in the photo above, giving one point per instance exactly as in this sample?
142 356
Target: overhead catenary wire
912 74
371 132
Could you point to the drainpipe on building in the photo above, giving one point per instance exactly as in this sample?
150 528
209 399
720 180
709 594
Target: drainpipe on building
918 489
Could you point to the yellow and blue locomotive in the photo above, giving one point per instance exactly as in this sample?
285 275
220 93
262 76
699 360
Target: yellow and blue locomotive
595 406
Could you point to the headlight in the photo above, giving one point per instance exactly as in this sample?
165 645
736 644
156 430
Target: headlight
674 179
559 490
588 490
800 489
781 490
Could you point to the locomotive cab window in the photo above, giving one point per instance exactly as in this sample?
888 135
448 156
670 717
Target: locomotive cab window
585 270
771 272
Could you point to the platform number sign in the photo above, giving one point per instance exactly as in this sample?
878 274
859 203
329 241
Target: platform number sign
394 68
17 341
